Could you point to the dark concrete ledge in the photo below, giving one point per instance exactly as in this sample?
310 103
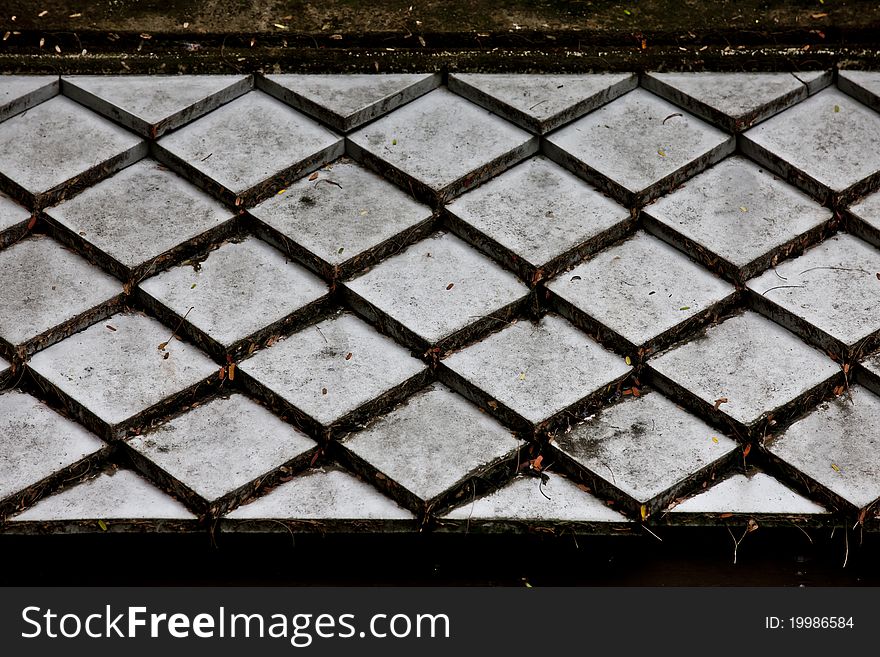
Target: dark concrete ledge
118 36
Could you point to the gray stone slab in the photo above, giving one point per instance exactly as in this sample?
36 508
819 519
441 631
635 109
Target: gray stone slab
813 145
737 218
441 145
346 219
642 290
21 92
58 147
647 447
432 444
248 148
36 442
732 101
538 370
321 500
833 287
864 86
346 102
220 447
538 216
152 105
124 220
115 371
638 146
755 494
838 446
541 103
529 499
436 289
328 385
13 220
870 376
117 501
753 363
815 80
867 224
48 292
239 290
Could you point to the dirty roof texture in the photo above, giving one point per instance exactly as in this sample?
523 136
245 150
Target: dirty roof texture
587 303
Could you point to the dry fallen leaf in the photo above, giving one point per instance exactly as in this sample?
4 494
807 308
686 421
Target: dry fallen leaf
719 401
314 176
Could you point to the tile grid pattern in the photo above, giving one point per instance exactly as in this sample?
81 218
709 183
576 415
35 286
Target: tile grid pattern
483 280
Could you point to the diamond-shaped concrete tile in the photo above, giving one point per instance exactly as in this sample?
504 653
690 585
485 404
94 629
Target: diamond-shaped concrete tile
648 448
755 494
115 374
867 219
13 220
538 216
732 101
541 103
59 147
344 220
638 146
757 366
440 291
47 293
737 218
245 149
531 374
221 451
641 293
321 500
36 443
126 220
838 446
241 293
428 449
152 105
829 295
346 102
869 374
441 145
21 92
864 86
344 367
530 502
829 145
121 501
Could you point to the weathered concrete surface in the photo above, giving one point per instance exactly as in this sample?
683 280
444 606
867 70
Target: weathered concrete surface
47 287
864 86
672 146
867 224
437 288
222 446
737 218
537 370
641 290
238 290
346 102
125 219
837 445
752 363
12 215
833 287
441 144
538 216
151 105
646 447
434 442
246 149
734 101
541 103
327 383
345 219
755 494
59 145
811 145
115 369
21 92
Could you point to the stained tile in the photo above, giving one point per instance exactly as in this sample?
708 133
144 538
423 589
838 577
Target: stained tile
21 92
